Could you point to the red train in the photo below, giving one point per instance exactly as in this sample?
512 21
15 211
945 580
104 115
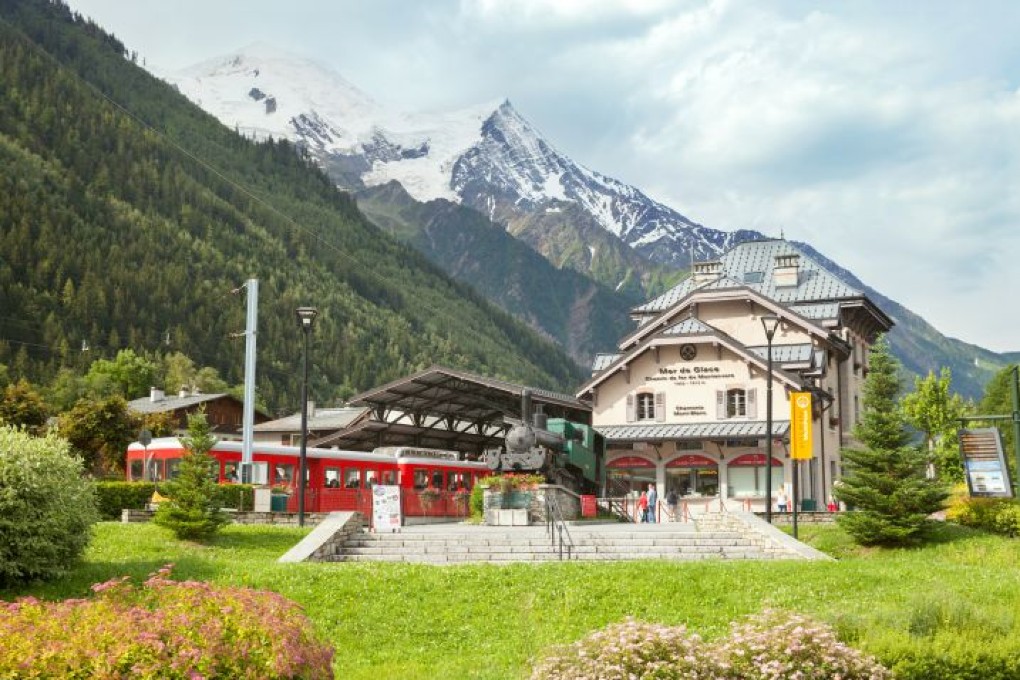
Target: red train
433 483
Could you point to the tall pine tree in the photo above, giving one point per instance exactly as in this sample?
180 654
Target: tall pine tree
193 511
886 482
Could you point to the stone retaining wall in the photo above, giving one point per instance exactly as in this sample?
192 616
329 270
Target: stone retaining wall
248 517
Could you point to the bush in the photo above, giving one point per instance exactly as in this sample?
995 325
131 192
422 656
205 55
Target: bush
164 629
777 644
767 646
632 649
46 506
998 515
116 496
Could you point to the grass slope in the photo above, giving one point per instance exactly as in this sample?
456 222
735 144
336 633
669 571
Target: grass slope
956 596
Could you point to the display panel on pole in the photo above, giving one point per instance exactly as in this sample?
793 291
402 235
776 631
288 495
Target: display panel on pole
984 462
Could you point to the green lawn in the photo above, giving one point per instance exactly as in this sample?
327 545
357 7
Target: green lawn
957 595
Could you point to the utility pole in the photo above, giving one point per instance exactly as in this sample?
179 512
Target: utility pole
248 417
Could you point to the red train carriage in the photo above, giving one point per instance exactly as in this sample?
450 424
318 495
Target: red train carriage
433 483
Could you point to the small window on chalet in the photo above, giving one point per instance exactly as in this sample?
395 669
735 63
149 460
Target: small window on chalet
646 406
754 277
735 402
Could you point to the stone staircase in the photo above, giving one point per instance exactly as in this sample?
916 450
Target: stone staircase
713 538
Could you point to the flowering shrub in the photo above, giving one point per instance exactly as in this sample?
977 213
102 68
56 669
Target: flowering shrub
776 644
772 645
633 649
164 629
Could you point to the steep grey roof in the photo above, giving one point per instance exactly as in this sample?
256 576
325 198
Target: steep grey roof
784 353
319 419
649 431
816 312
602 361
689 326
171 402
741 266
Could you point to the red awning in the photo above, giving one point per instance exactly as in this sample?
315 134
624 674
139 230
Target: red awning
631 462
753 460
692 460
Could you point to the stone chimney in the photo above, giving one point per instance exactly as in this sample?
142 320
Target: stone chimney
706 272
156 395
786 271
183 393
311 408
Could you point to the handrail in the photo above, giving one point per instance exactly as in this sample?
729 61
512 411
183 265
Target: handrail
557 526
617 506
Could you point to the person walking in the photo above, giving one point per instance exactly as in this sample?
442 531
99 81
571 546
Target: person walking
653 502
671 503
782 501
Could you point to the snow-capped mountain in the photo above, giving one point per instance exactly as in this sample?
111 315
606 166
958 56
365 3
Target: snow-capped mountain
487 157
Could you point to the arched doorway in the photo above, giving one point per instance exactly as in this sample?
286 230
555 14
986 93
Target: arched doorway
693 476
746 476
629 476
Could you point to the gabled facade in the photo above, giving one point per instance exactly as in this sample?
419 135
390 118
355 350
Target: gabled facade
682 403
224 412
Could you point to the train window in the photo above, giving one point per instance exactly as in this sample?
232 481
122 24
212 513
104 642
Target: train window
173 468
456 481
137 470
389 477
231 475
370 478
332 477
421 479
284 474
352 478
437 479
260 473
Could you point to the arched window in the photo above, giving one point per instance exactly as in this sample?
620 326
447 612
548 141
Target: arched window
736 403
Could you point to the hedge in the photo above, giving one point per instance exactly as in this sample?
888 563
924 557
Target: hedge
116 496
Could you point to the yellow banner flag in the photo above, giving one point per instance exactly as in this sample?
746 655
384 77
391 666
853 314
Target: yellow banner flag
800 426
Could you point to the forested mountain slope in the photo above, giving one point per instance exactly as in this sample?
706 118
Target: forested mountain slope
583 316
128 215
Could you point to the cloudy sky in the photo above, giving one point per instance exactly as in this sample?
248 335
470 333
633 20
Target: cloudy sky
884 133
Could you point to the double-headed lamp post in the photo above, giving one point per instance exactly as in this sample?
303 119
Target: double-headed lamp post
770 322
306 317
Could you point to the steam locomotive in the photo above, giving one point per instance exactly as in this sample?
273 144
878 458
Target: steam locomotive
566 453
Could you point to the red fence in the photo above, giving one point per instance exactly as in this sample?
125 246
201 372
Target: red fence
413 503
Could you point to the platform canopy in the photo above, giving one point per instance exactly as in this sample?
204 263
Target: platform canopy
447 409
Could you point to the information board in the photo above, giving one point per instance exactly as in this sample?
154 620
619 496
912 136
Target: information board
984 463
386 508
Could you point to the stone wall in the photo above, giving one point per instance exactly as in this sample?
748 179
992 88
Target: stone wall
278 518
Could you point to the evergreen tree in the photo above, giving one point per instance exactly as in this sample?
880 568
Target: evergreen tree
193 512
886 482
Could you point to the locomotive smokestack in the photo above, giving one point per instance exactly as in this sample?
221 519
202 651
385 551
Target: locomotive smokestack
526 406
539 420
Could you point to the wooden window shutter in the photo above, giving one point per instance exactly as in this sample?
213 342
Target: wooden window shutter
660 407
631 415
720 405
752 403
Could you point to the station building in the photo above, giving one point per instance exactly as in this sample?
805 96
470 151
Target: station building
682 402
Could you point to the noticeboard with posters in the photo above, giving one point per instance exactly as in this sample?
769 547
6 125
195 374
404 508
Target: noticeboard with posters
386 508
984 463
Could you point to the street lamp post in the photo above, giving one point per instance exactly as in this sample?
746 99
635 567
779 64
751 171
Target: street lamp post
770 323
306 316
